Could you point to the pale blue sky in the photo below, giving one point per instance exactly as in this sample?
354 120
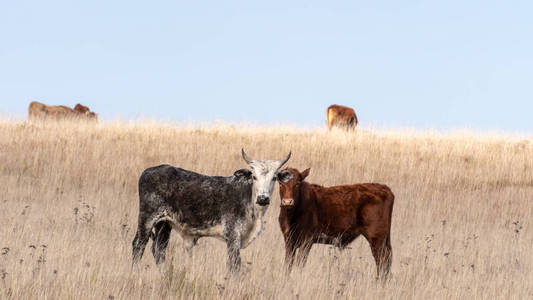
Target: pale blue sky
422 64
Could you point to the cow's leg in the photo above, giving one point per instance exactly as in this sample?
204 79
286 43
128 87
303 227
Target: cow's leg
233 242
234 257
160 242
290 253
190 242
385 252
303 253
382 252
141 238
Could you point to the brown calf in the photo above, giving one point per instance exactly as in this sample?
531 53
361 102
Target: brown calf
334 215
341 116
40 111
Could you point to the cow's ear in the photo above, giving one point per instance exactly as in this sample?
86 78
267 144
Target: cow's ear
285 176
305 173
243 173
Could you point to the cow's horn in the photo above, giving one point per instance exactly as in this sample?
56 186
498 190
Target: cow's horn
245 157
286 159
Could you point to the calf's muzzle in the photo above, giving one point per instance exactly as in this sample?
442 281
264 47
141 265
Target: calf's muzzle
287 202
263 200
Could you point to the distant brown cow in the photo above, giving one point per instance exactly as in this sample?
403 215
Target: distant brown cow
341 116
81 108
86 111
40 111
334 215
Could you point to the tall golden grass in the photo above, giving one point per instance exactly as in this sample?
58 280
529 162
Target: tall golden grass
461 224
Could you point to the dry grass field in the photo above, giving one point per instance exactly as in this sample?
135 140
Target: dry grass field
68 209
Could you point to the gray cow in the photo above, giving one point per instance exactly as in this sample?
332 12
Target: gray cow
229 208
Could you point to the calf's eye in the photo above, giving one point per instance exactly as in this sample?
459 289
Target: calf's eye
255 178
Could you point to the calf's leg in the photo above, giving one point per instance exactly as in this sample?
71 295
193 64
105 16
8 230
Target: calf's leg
141 238
303 253
386 257
290 252
233 243
160 241
382 252
189 243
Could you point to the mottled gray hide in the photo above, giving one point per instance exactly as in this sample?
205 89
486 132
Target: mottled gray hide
228 208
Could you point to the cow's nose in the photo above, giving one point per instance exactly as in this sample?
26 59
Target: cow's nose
263 200
287 202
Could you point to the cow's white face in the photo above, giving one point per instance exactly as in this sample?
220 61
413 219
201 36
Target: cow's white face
264 177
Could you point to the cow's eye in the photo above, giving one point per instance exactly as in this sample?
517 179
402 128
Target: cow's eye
255 178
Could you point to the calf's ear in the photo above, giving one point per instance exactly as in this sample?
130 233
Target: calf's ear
285 176
243 173
305 173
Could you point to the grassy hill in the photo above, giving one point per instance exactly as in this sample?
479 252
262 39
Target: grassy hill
68 206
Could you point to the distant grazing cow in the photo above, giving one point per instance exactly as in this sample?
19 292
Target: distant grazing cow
81 108
229 208
334 215
341 116
40 111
